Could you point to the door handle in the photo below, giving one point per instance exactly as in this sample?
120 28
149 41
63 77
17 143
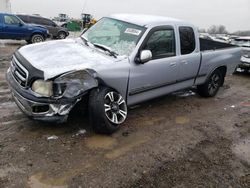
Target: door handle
184 62
173 64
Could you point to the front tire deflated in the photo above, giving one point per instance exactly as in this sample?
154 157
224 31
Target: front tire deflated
107 110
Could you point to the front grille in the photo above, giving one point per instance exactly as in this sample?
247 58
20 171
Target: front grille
19 72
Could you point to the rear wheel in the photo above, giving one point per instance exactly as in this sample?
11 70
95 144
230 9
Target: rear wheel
212 85
107 110
37 38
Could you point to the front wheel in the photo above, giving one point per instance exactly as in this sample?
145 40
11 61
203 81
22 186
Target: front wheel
107 110
37 38
212 85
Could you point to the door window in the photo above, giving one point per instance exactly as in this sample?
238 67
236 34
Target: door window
161 43
36 20
187 38
24 18
47 22
11 20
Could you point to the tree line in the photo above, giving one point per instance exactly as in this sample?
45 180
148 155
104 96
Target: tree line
221 29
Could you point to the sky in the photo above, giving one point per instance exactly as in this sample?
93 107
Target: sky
234 14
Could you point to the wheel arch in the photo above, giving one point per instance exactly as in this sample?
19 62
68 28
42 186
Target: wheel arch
38 33
223 71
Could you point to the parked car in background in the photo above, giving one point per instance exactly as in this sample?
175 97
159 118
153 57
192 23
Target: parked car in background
120 61
11 27
244 43
55 31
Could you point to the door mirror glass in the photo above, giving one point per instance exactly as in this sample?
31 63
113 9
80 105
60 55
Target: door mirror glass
145 56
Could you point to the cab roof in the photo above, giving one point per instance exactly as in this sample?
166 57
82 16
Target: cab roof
146 20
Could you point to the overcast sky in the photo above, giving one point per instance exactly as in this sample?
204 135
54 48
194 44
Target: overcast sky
234 14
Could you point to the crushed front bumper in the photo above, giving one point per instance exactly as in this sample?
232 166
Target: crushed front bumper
37 108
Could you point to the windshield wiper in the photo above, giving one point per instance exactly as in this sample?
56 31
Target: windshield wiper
107 49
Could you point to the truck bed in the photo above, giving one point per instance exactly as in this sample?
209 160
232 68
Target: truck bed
206 44
217 54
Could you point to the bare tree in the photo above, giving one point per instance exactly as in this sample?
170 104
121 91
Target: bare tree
217 29
202 30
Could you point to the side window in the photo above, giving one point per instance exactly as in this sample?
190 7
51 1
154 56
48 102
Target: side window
48 22
11 20
161 43
24 18
35 20
187 38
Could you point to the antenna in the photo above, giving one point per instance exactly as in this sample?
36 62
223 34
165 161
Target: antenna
84 5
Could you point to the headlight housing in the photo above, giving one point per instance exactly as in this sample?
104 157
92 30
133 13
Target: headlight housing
43 88
73 84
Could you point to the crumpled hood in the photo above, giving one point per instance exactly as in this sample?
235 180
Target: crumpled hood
57 57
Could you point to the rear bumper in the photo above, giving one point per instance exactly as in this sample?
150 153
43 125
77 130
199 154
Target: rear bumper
42 109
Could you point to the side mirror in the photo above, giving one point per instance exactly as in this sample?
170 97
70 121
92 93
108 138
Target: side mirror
145 56
20 24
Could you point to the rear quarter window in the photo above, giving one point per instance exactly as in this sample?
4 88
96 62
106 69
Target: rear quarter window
187 40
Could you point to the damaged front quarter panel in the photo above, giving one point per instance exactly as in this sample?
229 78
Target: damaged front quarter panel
74 84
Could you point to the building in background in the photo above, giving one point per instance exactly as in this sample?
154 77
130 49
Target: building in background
5 6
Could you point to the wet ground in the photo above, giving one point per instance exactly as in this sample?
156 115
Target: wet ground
180 140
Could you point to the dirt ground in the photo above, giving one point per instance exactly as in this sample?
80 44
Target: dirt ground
180 140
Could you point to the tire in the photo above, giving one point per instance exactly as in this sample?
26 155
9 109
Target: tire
28 41
61 35
212 85
107 110
36 38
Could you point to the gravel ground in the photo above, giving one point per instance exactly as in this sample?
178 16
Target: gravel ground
180 140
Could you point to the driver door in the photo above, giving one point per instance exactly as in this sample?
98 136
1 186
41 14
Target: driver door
13 28
157 76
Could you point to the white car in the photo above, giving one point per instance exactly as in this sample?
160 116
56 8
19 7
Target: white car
244 42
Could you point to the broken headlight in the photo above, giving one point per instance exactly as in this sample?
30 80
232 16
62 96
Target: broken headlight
73 84
43 88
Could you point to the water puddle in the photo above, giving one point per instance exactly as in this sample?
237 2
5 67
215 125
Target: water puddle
242 150
40 181
100 142
246 104
153 120
4 172
129 144
182 120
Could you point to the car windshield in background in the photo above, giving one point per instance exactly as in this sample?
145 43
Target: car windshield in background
241 42
118 36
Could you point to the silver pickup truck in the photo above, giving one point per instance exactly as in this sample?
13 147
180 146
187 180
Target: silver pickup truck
121 61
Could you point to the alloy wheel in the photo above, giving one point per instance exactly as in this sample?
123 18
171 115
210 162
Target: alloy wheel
115 108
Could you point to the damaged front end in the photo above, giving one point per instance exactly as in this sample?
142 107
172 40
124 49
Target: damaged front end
51 100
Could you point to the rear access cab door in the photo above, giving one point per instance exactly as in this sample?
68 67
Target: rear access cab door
189 57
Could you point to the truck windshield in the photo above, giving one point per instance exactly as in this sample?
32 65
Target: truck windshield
118 36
